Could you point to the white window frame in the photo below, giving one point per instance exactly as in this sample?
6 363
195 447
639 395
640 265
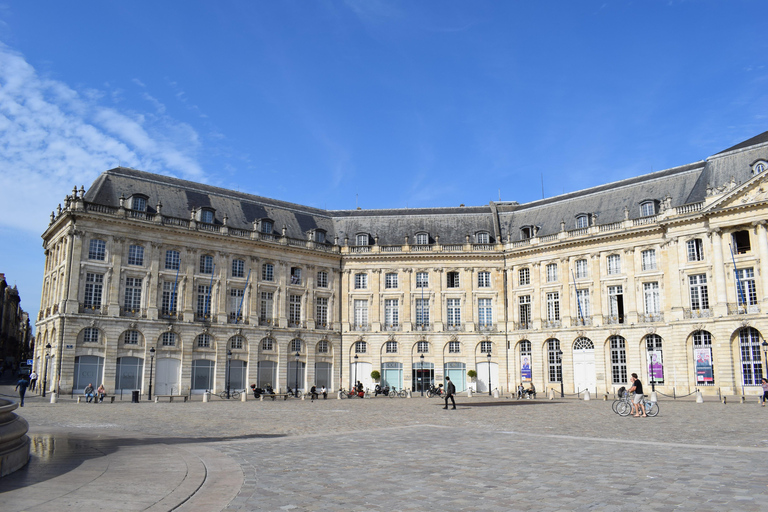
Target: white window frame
648 259
613 264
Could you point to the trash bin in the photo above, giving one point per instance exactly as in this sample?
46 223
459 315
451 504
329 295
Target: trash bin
135 397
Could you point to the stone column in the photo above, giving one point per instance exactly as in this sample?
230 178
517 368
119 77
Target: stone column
762 254
718 274
113 279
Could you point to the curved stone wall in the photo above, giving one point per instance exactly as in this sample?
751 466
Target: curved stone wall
14 442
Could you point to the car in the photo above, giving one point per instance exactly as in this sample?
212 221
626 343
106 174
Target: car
25 369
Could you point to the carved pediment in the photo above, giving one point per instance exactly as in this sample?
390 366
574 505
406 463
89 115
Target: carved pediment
753 191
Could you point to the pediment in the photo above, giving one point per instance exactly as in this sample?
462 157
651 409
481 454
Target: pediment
751 192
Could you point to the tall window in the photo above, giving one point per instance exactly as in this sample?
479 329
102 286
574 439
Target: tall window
525 311
422 280
422 239
391 313
554 360
524 276
168 339
648 258
294 310
322 347
452 280
322 279
132 293
93 287
265 308
295 275
422 312
618 360
267 272
97 250
172 260
484 279
361 281
702 351
236 342
695 250
616 303
748 292
238 268
751 364
741 244
552 272
235 300
647 208
203 300
320 237
454 347
699 296
390 280
614 264
454 312
391 347
361 347
553 306
653 346
486 347
321 316
361 313
484 313
582 303
422 347
267 344
651 298
90 335
168 304
204 341
135 255
581 269
206 264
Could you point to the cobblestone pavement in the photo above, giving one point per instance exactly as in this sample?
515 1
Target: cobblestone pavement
393 454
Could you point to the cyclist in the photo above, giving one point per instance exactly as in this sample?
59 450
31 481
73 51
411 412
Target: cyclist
637 400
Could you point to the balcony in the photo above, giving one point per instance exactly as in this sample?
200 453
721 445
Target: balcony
552 324
697 313
267 321
90 309
322 325
453 327
742 309
523 326
421 327
613 319
170 315
200 317
392 327
295 324
651 317
133 313
360 327
233 318
486 327
581 321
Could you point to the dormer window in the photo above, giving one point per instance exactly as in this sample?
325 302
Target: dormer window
267 226
483 237
361 239
647 208
526 232
139 203
582 221
422 238
320 236
206 216
759 167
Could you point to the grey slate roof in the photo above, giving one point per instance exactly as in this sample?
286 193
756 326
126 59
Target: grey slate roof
683 185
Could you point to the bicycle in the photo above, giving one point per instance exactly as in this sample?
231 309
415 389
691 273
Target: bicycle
435 391
623 406
233 393
394 392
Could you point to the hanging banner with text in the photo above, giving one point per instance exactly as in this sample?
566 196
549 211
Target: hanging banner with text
655 366
704 373
525 367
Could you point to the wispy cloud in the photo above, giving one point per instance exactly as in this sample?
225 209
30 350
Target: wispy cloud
53 137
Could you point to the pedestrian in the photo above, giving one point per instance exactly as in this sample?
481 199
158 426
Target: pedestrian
637 400
32 380
22 387
89 392
765 390
450 390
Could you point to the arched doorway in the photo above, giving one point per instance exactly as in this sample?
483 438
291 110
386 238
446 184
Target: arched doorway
584 376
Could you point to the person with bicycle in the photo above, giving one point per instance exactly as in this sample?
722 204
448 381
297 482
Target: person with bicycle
637 400
449 392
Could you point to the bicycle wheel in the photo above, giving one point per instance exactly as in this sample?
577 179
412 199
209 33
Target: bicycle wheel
402 393
430 394
223 395
344 394
624 409
235 394
392 394
651 408
615 405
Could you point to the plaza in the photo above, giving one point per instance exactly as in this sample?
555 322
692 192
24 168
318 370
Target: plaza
390 454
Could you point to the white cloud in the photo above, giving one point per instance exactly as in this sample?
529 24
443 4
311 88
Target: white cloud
53 137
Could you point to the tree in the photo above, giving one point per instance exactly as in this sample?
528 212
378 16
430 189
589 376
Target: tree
375 375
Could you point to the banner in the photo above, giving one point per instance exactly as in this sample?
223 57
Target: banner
655 366
525 367
704 372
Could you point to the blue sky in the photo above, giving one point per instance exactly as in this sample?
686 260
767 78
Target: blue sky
369 103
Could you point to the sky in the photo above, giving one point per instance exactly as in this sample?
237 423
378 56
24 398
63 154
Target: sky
340 104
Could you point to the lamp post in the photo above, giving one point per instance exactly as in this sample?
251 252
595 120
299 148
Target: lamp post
764 344
45 371
354 384
560 361
229 370
296 391
489 373
151 365
422 374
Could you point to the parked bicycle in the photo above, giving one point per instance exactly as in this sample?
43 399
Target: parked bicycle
394 392
233 393
623 405
351 394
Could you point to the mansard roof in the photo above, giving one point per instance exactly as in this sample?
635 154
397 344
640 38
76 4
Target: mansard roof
605 203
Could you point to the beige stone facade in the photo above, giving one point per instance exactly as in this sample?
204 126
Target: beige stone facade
585 287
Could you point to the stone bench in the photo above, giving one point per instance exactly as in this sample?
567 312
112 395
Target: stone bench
171 397
108 398
275 396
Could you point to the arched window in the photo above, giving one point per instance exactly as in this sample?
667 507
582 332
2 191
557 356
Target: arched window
322 347
582 221
751 362
422 347
267 344
168 339
131 337
422 238
90 335
361 347
653 346
583 344
236 342
618 360
204 341
296 345
391 347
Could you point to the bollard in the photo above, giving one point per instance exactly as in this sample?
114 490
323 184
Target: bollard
587 396
156 400
496 393
654 398
302 397
338 395
206 396
79 399
261 398
408 394
605 397
743 399
699 397
54 397
243 396
469 392
551 393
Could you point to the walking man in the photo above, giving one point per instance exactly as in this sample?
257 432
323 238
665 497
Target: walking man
22 387
449 392
32 380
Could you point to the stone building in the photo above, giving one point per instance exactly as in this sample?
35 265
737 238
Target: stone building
662 274
16 339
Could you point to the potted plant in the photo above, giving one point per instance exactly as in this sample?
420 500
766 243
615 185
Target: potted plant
375 375
471 374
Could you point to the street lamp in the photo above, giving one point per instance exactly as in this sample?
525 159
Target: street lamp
296 391
560 360
764 344
228 370
489 373
354 384
422 375
45 371
151 365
